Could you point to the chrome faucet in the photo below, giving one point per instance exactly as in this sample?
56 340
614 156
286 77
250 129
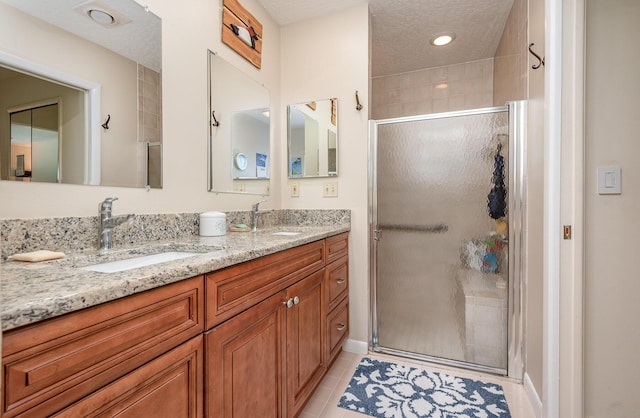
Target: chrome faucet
108 222
254 214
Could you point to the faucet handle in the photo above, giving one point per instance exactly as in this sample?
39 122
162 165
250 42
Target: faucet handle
255 205
106 204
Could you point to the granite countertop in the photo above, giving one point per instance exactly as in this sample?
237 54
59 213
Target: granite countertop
32 292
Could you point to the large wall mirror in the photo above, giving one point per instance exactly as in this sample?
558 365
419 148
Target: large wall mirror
312 133
239 126
80 93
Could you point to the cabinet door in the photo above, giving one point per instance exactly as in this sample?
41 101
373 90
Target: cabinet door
244 360
305 341
169 386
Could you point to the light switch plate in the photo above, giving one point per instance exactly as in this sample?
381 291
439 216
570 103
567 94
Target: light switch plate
330 189
295 189
609 180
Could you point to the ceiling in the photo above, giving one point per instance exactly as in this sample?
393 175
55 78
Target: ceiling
136 39
401 29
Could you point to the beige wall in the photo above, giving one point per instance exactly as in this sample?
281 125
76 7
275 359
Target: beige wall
462 86
187 34
535 192
323 58
612 280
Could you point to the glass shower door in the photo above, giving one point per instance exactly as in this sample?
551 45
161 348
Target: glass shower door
440 229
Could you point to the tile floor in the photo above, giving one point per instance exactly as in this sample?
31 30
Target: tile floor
324 403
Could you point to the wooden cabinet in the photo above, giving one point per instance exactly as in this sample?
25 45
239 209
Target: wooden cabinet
167 387
305 365
236 288
50 365
267 360
244 363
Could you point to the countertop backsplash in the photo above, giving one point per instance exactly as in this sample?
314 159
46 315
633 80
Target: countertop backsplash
78 234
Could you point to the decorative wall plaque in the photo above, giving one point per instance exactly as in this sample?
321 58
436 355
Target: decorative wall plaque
242 32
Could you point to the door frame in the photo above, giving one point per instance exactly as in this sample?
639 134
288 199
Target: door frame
563 279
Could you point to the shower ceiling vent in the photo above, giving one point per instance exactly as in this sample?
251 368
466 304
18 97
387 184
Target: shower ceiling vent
101 14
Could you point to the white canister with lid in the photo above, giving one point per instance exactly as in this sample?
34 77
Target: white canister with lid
213 224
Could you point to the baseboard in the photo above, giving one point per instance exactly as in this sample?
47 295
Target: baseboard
532 395
355 346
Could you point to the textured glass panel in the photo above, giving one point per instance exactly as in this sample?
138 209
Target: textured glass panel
440 263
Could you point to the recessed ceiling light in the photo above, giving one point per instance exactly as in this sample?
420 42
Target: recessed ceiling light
101 17
444 39
442 86
101 13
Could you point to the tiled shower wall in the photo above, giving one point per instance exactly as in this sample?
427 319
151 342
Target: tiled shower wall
150 125
442 89
510 61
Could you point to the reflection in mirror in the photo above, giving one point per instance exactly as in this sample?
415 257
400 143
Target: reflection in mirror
92 73
313 139
35 143
239 140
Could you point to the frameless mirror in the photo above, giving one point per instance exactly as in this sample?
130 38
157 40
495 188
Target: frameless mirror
94 69
239 131
312 133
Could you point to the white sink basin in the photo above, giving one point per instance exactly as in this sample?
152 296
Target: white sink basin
136 262
286 233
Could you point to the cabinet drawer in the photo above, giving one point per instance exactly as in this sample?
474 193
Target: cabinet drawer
170 386
337 329
234 289
336 282
50 365
336 247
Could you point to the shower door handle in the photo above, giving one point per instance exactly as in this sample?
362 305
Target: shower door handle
377 234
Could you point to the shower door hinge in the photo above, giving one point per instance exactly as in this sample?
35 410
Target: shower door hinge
566 231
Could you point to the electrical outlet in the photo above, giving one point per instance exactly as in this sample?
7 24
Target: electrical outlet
295 189
241 187
330 189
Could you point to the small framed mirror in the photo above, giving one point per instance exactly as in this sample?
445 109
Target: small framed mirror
312 132
239 131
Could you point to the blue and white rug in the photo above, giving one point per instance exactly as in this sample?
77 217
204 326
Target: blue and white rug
388 390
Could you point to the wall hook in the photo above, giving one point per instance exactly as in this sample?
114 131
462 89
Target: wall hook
215 121
540 60
105 125
358 105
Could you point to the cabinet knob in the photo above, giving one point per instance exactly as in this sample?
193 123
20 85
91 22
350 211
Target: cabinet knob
288 303
341 280
296 300
340 327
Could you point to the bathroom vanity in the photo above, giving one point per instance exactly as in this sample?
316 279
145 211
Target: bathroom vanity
248 330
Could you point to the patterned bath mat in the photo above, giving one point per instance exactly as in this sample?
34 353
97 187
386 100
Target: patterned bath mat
388 390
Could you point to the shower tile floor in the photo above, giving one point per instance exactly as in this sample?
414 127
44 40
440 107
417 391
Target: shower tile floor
324 403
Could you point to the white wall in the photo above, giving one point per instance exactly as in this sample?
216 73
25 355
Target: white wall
187 34
612 224
321 58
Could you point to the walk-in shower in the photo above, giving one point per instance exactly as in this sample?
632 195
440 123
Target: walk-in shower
446 209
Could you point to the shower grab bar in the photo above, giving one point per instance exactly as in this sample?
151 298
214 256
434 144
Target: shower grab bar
434 228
